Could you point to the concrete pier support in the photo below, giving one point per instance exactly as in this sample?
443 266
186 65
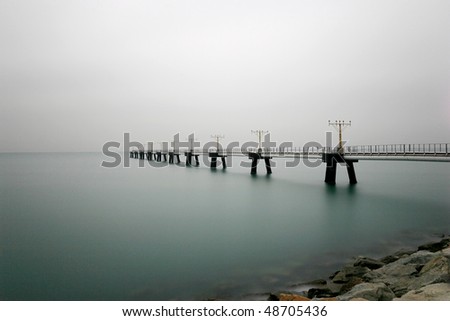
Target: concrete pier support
330 172
188 158
332 160
255 157
172 156
224 163
268 167
213 156
254 165
351 172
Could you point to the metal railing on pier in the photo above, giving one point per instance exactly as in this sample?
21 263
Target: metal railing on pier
439 149
387 150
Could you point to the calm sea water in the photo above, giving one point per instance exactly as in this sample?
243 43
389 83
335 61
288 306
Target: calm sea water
72 230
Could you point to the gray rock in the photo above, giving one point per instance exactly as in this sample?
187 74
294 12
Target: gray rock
412 272
432 292
350 284
440 264
348 272
390 273
368 262
369 291
435 271
435 246
397 277
400 276
418 258
398 255
446 252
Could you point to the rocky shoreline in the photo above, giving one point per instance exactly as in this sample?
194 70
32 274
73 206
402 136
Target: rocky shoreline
422 275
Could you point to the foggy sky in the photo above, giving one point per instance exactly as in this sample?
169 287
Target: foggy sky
76 74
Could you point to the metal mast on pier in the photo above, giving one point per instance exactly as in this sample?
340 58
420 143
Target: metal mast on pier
340 125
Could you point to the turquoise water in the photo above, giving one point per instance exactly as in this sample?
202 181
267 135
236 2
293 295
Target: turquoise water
73 230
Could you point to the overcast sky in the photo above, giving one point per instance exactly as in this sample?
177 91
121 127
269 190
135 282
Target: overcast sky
76 74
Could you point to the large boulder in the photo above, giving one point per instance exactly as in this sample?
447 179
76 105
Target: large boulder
369 291
400 275
397 276
432 292
436 270
417 258
368 263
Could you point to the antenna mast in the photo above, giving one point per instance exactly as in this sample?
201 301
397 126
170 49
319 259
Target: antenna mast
218 138
260 133
340 125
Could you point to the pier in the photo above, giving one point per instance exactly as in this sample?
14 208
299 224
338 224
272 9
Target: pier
345 156
331 157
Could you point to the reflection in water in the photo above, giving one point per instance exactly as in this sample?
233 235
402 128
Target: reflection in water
259 177
333 190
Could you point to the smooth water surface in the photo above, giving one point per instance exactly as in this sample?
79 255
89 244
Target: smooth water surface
73 230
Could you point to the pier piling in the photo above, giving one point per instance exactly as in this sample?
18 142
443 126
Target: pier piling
224 163
255 157
188 158
214 156
331 160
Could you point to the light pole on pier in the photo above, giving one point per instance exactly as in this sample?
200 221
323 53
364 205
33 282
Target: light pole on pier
218 138
340 125
260 134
